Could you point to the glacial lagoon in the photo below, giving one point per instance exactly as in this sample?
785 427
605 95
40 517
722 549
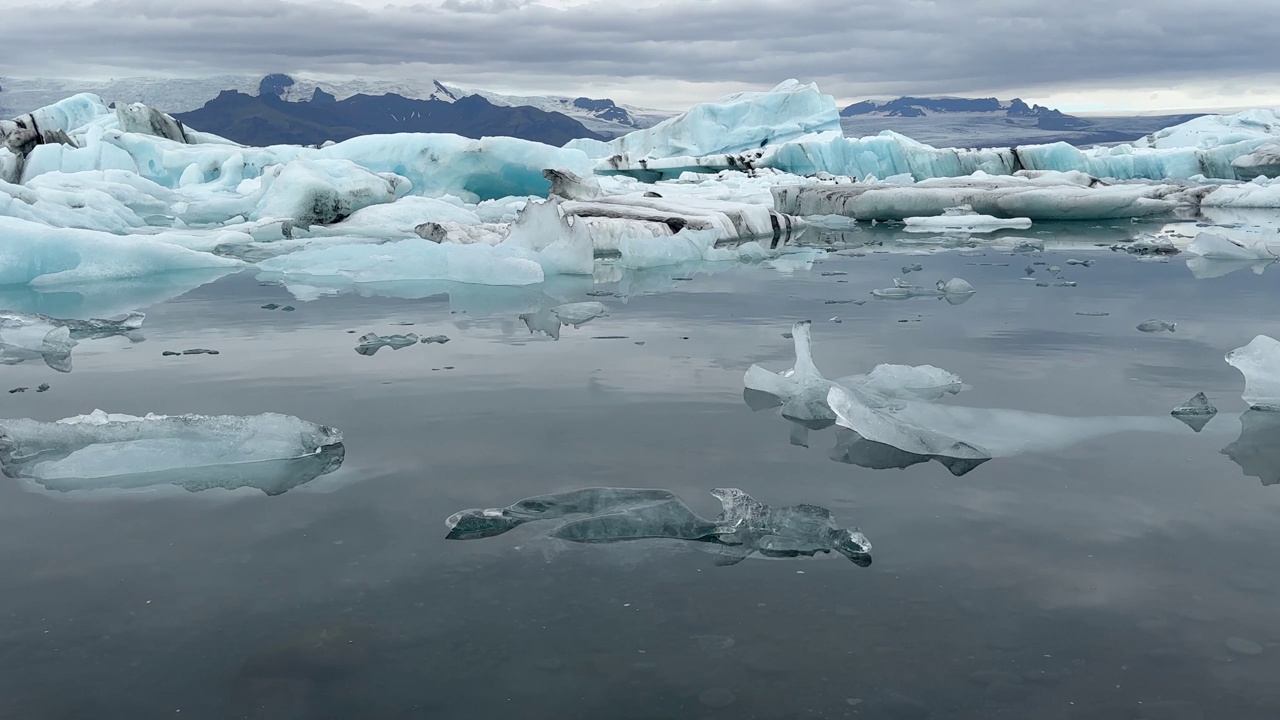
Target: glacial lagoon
1124 571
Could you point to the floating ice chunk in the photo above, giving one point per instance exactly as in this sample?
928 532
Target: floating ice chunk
1085 263
435 340
608 515
972 434
39 340
43 256
371 343
92 329
1217 247
1259 362
802 389
1155 326
1261 193
1149 245
270 452
955 291
922 382
580 313
571 186
1196 412
964 219
561 243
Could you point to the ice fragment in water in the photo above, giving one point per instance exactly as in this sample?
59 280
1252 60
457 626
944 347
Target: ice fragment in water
43 387
1155 326
1085 263
915 267
18 390
435 340
1196 412
1093 314
608 515
1259 362
956 291
1030 271
1149 245
1054 270
371 343
270 452
199 351
576 314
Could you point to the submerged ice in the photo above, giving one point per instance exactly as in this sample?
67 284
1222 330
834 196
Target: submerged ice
608 515
100 451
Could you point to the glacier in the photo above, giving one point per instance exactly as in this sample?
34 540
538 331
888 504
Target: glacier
100 451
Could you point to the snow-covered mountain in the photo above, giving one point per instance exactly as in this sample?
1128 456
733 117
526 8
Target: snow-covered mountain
180 95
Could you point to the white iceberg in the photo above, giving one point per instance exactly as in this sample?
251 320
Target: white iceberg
100 451
326 191
1259 362
964 219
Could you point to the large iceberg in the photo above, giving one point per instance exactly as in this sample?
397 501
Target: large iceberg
733 124
36 254
100 451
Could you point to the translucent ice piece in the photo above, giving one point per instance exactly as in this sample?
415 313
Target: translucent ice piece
1155 326
270 452
1259 362
1196 412
576 314
371 343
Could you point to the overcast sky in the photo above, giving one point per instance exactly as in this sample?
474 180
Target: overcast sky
1082 55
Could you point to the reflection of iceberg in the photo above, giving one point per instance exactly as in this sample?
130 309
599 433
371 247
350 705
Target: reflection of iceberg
270 452
609 515
853 449
1259 362
108 299
1257 452
549 320
30 336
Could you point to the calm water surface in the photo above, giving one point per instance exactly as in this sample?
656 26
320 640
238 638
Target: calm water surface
1102 580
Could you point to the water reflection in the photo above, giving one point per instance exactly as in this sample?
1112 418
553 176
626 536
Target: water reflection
608 515
1257 451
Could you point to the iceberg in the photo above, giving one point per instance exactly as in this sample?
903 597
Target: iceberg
371 343
733 124
1037 199
964 219
744 527
100 451
1259 362
1196 412
39 255
1213 246
326 191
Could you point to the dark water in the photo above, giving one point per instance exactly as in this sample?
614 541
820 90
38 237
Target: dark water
1102 580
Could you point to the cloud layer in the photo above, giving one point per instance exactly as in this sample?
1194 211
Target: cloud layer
664 50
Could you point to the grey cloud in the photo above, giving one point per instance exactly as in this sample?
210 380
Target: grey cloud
852 48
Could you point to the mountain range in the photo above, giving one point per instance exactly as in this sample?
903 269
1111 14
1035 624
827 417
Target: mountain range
990 122
299 109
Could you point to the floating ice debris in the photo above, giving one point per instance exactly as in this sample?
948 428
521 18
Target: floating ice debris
1029 270
1054 270
30 336
270 452
576 314
271 306
170 353
845 302
199 351
834 273
956 291
1196 412
1155 326
1085 263
1148 245
43 387
601 293
403 323
371 343
963 219
18 390
915 267
1057 283
1257 451
1027 246
94 329
1093 314
836 320
435 340
608 515
1259 362
288 308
